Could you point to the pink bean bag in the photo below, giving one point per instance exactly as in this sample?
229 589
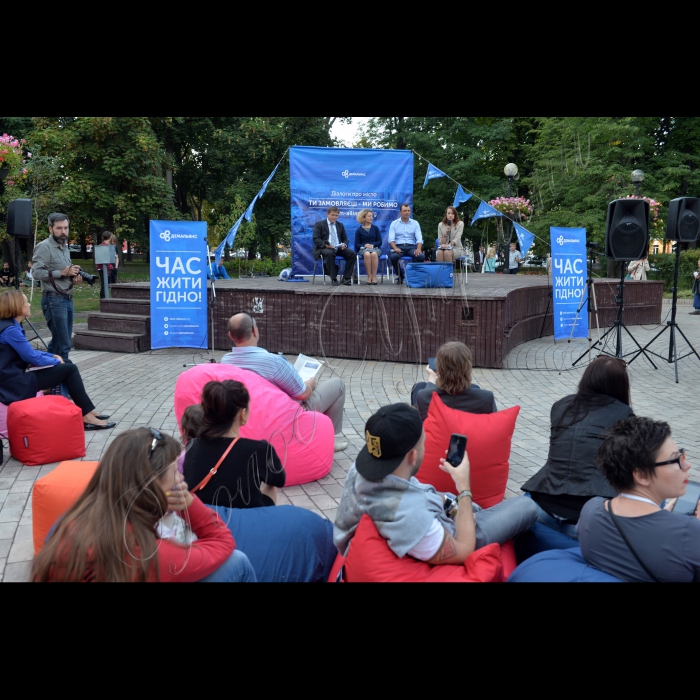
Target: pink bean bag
3 421
304 441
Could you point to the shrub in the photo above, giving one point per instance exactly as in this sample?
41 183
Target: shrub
666 266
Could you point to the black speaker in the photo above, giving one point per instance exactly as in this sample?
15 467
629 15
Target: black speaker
627 237
684 220
19 218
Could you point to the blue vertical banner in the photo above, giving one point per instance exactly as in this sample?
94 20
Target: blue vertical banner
179 299
352 180
569 282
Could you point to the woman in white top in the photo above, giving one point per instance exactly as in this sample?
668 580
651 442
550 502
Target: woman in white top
449 243
638 269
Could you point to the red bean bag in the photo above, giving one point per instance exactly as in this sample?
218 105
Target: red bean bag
55 494
304 441
490 442
370 560
45 430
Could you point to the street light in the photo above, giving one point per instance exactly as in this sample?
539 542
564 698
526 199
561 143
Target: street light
511 171
637 179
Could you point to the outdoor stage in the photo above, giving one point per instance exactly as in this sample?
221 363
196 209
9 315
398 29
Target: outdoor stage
492 315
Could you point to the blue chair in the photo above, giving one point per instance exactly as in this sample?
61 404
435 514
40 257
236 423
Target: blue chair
338 261
559 566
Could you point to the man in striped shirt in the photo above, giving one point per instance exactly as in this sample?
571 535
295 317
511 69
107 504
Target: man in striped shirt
329 398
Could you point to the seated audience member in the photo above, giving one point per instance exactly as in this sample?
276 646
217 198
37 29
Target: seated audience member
331 242
411 516
571 478
28 280
7 276
137 522
453 384
327 398
406 241
250 473
368 244
449 241
632 537
16 354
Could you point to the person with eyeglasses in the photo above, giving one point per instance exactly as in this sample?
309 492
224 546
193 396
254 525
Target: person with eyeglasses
137 522
571 478
633 537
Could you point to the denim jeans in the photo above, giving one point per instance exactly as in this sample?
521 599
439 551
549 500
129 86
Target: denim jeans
501 524
696 302
237 569
407 251
556 524
58 312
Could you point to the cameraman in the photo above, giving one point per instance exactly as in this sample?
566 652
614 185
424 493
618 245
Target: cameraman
57 274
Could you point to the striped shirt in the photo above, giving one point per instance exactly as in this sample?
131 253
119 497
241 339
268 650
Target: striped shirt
275 368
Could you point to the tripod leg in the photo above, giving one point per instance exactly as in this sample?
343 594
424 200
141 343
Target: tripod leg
642 351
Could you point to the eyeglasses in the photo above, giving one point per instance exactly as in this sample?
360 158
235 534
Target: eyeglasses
679 461
157 437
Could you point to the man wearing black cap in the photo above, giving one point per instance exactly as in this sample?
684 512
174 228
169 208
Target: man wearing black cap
410 515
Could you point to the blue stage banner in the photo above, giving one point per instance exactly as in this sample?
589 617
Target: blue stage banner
569 282
179 300
352 180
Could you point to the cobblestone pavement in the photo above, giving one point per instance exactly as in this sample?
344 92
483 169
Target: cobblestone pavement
137 390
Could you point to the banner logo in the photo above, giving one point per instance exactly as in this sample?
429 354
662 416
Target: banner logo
347 174
165 236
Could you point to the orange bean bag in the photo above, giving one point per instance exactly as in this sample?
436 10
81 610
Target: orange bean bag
490 441
55 494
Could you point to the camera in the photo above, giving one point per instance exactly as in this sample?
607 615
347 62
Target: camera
90 279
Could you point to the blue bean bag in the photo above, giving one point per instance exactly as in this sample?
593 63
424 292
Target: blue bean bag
538 539
284 544
559 566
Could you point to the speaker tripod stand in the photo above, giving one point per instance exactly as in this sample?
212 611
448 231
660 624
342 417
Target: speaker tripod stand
617 330
673 327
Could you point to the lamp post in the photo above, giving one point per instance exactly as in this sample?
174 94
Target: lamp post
511 171
637 179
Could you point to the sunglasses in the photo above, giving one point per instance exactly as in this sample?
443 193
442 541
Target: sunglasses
157 437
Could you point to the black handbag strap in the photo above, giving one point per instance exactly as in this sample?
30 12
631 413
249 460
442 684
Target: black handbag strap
628 543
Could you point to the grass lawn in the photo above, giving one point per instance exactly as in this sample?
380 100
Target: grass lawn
87 298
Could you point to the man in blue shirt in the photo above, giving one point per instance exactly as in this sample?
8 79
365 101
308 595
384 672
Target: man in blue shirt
406 241
328 398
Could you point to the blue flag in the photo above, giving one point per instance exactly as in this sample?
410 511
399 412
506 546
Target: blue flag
486 211
267 182
249 212
461 197
228 241
433 174
526 239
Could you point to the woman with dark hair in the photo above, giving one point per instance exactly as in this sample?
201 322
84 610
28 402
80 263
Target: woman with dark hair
632 537
16 355
453 384
137 522
244 473
449 242
571 478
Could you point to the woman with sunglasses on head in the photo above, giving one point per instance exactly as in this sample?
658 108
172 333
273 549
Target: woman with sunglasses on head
138 523
571 477
16 355
632 537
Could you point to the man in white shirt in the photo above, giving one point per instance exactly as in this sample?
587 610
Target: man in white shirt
412 516
406 241
514 260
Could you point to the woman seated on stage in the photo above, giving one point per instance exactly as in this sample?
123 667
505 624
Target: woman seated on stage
490 264
251 472
16 355
449 242
368 244
138 523
571 478
632 537
453 384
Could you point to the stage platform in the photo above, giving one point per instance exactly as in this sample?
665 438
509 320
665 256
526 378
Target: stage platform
492 314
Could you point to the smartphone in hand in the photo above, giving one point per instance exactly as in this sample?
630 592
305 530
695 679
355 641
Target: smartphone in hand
432 363
457 450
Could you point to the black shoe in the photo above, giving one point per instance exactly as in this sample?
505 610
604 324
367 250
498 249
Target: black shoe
103 417
336 283
90 428
348 283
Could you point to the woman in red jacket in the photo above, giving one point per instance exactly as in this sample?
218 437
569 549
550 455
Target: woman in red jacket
137 522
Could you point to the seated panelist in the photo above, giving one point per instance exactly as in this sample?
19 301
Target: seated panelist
368 244
406 241
331 241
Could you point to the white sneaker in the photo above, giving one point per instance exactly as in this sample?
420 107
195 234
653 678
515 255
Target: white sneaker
341 444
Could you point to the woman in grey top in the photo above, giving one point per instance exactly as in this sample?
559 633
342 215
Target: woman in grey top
632 537
449 242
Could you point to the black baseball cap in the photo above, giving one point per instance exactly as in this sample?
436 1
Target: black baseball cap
391 434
